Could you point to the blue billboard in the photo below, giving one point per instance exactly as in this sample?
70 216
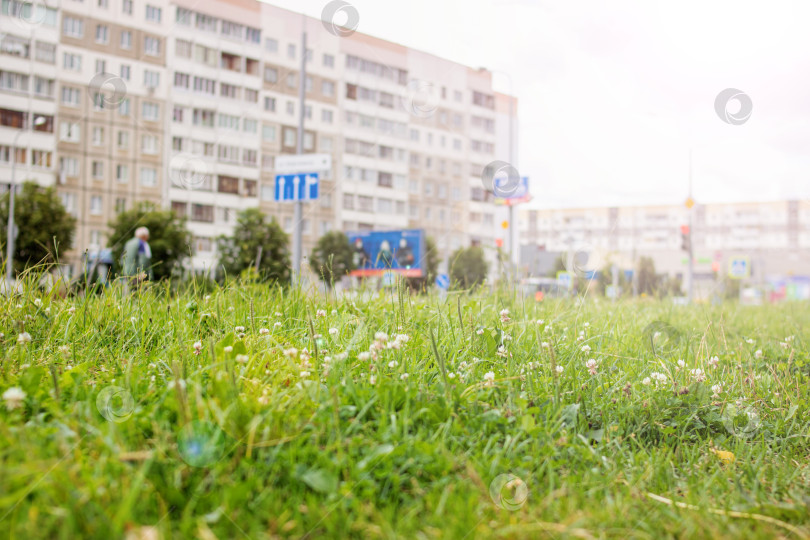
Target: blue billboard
378 252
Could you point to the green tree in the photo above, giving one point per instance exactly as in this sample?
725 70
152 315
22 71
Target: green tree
44 227
169 239
430 265
647 278
331 257
468 268
255 236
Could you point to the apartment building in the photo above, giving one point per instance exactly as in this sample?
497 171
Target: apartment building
188 103
774 236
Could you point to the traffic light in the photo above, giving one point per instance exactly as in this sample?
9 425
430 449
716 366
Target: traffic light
686 239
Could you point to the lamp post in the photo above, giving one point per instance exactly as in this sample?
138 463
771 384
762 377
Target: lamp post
38 121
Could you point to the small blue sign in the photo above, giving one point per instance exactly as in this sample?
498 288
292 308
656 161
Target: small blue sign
296 187
520 192
443 281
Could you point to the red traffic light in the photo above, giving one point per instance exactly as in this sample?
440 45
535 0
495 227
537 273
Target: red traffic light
684 229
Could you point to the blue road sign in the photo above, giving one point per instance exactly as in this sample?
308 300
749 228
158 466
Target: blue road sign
520 191
296 187
443 281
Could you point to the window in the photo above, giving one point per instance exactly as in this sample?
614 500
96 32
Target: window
97 170
270 104
151 79
149 145
206 86
291 51
384 206
182 48
126 39
326 144
228 90
228 121
69 166
327 116
152 13
253 35
182 80
148 177
290 108
72 62
125 72
270 75
271 45
291 80
327 88
249 157
13 45
151 46
228 184
308 112
183 16
328 60
123 107
351 91
98 136
41 158
203 117
72 27
121 174
44 52
101 66
458 96
251 96
120 204
102 34
150 111
202 244
13 82
95 205
348 201
232 30
205 22
401 207
69 202
123 139
251 188
126 7
365 203
250 125
69 132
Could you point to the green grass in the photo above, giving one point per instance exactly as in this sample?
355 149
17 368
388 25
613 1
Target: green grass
124 427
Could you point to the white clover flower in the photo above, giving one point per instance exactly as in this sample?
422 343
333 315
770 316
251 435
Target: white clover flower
646 381
207 297
658 377
462 365
681 364
656 335
342 356
14 397
24 338
591 365
404 376
333 331
239 329
228 349
278 314
277 324
363 356
64 349
403 338
393 364
396 344
489 378
586 324
505 315
790 338
263 331
304 355
381 336
48 310
230 308
480 331
451 375
758 354
784 344
502 352
320 313
71 310
37 302
372 379
327 359
197 345
242 358
698 374
559 369
292 352
750 341
585 349
133 320
304 374
717 389
544 344
713 361
540 321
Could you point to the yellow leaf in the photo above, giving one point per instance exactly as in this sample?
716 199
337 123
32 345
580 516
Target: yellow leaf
726 457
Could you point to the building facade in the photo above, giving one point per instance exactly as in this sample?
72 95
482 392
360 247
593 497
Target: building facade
187 104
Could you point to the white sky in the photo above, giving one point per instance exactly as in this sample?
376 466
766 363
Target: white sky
613 94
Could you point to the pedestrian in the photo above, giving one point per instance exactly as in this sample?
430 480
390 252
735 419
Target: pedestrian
137 258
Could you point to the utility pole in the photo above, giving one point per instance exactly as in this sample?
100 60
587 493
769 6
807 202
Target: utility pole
512 163
298 208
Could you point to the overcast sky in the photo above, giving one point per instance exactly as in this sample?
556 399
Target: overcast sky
612 95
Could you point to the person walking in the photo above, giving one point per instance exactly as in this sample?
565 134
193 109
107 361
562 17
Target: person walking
137 258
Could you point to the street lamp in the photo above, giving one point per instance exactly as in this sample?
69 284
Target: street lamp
38 121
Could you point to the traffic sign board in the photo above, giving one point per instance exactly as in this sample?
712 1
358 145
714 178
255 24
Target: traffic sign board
296 187
443 281
739 267
300 163
689 202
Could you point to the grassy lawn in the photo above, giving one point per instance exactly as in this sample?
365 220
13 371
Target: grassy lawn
258 413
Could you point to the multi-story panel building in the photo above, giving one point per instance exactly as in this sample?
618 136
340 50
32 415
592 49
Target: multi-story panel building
189 103
774 236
